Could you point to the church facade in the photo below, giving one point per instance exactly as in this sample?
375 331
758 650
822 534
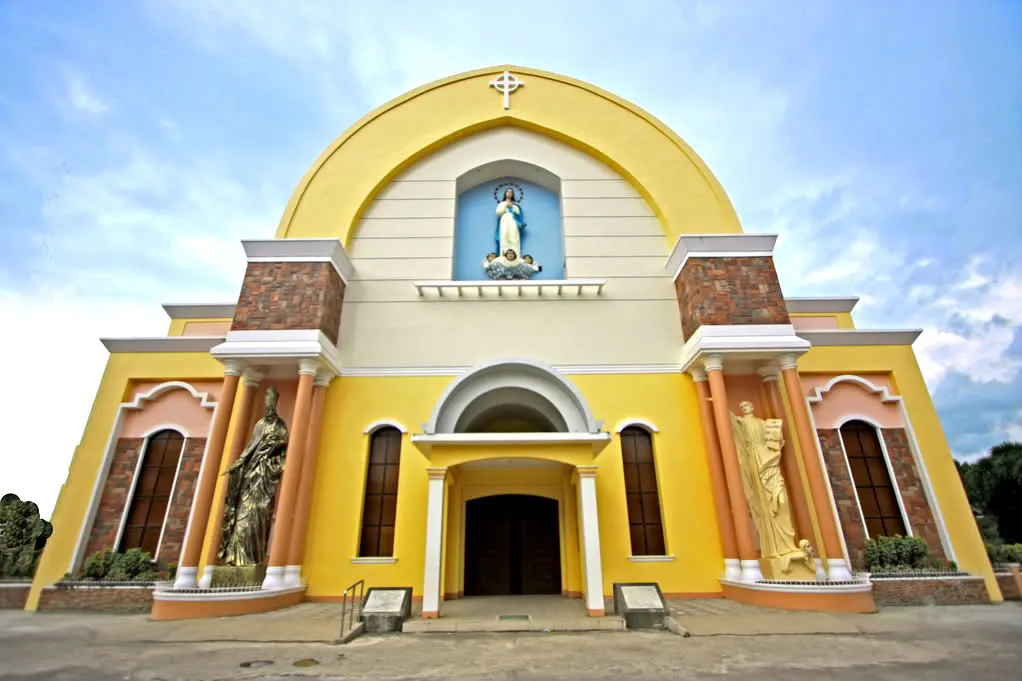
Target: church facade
515 341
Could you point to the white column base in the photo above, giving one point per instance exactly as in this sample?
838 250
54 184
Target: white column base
274 577
837 570
821 572
206 580
732 569
293 575
185 578
750 571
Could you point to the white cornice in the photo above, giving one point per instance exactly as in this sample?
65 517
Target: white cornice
820 305
717 246
512 289
823 337
267 348
567 369
199 310
300 250
426 442
162 344
742 341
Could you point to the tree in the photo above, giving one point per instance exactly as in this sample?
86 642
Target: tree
994 487
23 535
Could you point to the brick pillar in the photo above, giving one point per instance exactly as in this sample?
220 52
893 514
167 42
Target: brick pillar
296 549
188 566
725 523
732 469
819 487
280 544
250 381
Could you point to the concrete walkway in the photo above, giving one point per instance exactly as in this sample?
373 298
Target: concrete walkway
936 643
513 613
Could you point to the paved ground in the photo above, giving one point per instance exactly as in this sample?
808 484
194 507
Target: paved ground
965 642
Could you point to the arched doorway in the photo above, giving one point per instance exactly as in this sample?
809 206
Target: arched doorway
512 546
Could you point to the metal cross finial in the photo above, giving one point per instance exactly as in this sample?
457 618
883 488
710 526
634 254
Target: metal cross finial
506 83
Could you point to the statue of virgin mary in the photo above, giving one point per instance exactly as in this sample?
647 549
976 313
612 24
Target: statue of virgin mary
510 223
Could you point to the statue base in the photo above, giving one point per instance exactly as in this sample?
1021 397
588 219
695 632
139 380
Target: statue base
795 566
237 575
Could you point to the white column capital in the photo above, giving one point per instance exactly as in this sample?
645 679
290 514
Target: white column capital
713 362
437 473
788 361
586 471
698 375
768 373
323 378
233 367
308 367
251 378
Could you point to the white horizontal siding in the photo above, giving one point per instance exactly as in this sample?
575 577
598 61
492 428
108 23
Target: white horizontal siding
420 208
634 266
605 189
424 247
372 291
619 246
613 226
605 208
408 228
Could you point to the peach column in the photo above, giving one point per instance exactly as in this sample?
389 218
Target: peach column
819 486
296 549
281 542
789 466
250 381
188 566
732 470
732 565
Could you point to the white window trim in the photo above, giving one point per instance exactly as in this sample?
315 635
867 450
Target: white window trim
887 398
649 426
878 431
143 452
384 423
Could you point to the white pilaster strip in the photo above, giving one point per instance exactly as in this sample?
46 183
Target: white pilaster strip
589 516
434 540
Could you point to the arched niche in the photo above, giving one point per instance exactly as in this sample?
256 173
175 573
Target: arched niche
475 226
521 391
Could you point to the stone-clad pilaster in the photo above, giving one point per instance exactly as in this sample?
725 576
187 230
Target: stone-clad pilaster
279 296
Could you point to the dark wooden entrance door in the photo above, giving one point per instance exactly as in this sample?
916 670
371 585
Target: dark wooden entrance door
512 546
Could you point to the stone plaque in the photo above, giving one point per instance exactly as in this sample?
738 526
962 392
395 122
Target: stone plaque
385 601
642 598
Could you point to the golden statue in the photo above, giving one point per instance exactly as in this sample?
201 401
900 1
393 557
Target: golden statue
248 507
759 443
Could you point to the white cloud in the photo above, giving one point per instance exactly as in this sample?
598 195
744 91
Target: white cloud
81 97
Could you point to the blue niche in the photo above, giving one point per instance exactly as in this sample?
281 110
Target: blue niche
475 229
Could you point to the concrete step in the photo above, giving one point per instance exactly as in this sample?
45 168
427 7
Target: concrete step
536 624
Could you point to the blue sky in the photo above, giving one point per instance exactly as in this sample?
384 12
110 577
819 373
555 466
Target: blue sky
139 142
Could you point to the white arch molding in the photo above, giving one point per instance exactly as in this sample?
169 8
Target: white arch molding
136 403
649 426
384 423
552 390
818 395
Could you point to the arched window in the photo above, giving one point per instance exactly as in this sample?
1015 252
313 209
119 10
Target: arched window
878 498
641 490
380 510
151 495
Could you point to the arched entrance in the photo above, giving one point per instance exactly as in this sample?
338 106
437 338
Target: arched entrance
512 546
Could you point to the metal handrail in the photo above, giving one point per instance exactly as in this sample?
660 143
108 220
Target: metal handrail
347 615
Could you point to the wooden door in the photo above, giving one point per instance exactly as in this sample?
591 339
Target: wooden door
487 548
540 557
512 546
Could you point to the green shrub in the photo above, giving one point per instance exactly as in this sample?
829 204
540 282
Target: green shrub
892 553
171 570
109 566
1005 553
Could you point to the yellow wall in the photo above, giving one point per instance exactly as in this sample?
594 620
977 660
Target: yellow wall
667 400
76 493
676 183
177 326
844 319
901 362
